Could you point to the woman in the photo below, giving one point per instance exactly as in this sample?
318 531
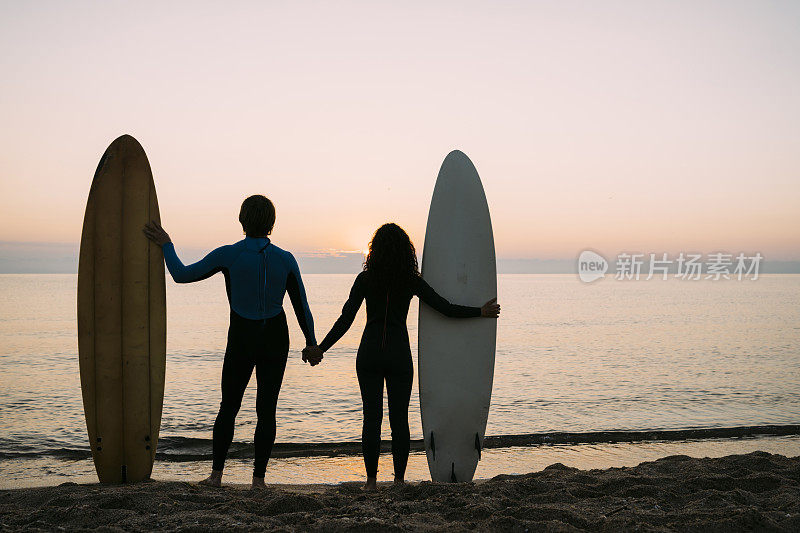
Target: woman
257 275
388 282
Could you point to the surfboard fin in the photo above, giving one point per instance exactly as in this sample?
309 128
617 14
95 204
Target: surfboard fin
453 474
433 447
478 445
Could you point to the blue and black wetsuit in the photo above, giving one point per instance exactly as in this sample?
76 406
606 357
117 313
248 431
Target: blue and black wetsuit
257 275
385 354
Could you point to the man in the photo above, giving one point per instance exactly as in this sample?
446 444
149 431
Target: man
257 275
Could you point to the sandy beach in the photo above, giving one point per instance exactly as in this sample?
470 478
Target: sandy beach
739 492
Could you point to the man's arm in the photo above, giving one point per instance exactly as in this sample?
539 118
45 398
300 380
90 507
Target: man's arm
297 294
205 268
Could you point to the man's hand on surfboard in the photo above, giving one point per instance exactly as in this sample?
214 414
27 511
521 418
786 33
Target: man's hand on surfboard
491 309
312 355
156 233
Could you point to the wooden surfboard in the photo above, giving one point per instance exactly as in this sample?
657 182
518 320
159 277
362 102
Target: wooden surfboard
121 316
456 356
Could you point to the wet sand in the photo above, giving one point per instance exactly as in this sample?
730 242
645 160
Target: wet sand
756 491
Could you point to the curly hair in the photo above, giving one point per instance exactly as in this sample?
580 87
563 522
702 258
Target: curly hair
392 258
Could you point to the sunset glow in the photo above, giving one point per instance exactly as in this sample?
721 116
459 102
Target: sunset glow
603 126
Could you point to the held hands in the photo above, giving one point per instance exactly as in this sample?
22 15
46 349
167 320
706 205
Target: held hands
312 355
156 233
490 309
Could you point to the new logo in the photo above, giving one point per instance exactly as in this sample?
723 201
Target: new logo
591 266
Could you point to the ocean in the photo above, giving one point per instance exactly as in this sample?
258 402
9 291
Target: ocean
610 356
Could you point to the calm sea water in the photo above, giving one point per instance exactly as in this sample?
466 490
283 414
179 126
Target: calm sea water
634 355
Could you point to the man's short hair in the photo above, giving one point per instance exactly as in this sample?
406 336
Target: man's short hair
257 216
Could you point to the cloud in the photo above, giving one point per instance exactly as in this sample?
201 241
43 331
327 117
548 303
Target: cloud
330 262
38 257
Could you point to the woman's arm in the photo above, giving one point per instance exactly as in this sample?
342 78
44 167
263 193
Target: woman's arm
206 267
297 294
426 293
349 311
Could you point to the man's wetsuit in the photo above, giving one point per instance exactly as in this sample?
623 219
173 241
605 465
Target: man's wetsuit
385 353
257 275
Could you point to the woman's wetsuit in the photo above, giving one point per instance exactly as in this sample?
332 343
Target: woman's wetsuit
257 275
385 354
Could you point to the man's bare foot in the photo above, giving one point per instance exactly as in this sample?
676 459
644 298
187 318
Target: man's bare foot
399 481
371 484
214 480
258 483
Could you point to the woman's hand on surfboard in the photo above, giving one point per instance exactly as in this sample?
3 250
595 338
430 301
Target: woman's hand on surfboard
491 309
312 355
156 233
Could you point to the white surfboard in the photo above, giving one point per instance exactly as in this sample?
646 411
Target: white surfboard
456 356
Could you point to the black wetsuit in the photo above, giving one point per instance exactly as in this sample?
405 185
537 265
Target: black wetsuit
257 276
385 354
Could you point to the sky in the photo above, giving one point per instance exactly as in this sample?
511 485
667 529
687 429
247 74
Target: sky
615 126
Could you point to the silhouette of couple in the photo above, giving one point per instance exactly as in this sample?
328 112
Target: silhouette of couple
257 276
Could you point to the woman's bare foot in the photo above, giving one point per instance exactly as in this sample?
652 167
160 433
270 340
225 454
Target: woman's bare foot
399 481
258 483
371 484
214 480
